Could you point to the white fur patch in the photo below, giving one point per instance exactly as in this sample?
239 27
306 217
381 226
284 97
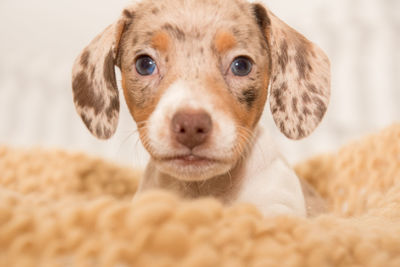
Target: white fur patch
269 182
181 95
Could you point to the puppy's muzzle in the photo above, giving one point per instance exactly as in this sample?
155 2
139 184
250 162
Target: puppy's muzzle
191 128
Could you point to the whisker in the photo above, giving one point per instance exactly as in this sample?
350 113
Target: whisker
230 178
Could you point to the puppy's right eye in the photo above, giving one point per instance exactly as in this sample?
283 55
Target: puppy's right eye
145 65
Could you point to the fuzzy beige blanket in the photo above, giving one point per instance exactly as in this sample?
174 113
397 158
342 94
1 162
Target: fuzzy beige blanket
66 209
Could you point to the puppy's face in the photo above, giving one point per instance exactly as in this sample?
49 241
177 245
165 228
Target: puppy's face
195 76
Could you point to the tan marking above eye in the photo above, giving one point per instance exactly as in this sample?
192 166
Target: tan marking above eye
160 41
224 41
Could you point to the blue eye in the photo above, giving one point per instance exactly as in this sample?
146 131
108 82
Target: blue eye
145 65
241 66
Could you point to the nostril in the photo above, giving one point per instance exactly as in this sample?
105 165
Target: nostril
182 130
200 130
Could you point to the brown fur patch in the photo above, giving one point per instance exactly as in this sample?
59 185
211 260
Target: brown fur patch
85 58
128 14
261 16
278 95
249 96
87 121
155 11
112 107
294 104
224 41
312 88
109 73
160 41
320 110
175 31
306 111
302 62
283 57
84 94
300 131
306 98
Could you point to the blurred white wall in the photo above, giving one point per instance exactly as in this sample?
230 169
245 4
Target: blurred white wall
40 39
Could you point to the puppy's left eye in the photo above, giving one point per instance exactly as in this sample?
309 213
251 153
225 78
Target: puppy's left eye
241 66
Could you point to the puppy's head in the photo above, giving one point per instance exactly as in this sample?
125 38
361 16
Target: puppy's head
195 76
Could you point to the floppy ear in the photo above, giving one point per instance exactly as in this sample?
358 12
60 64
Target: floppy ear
299 78
94 85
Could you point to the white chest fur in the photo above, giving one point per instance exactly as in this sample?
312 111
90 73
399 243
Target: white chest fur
268 182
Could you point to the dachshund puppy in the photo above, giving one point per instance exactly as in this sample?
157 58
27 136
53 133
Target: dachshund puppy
196 75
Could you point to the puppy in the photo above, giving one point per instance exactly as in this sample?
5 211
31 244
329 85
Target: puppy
196 75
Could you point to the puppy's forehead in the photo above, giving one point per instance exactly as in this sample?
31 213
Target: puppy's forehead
194 19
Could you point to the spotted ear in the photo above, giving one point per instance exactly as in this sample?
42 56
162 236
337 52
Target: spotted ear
94 85
300 77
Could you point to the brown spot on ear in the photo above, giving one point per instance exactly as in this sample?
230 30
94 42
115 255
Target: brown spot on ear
306 111
320 110
279 101
109 72
300 131
306 98
128 14
112 107
87 121
261 16
85 59
175 31
160 41
283 57
155 11
92 71
312 88
303 66
224 41
294 104
278 96
106 132
84 94
99 130
282 126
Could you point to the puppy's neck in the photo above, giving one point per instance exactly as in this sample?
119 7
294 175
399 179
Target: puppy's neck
225 187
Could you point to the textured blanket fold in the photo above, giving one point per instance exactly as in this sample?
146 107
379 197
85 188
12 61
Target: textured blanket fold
66 209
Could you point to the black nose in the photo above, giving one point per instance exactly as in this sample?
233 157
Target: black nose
191 127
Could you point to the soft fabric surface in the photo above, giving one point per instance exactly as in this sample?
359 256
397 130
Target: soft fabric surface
65 209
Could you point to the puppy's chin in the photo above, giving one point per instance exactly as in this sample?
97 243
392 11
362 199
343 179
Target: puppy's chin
193 169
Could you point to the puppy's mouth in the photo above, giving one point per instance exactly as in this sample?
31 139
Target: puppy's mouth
190 160
192 167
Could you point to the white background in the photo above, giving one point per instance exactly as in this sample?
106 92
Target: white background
41 38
